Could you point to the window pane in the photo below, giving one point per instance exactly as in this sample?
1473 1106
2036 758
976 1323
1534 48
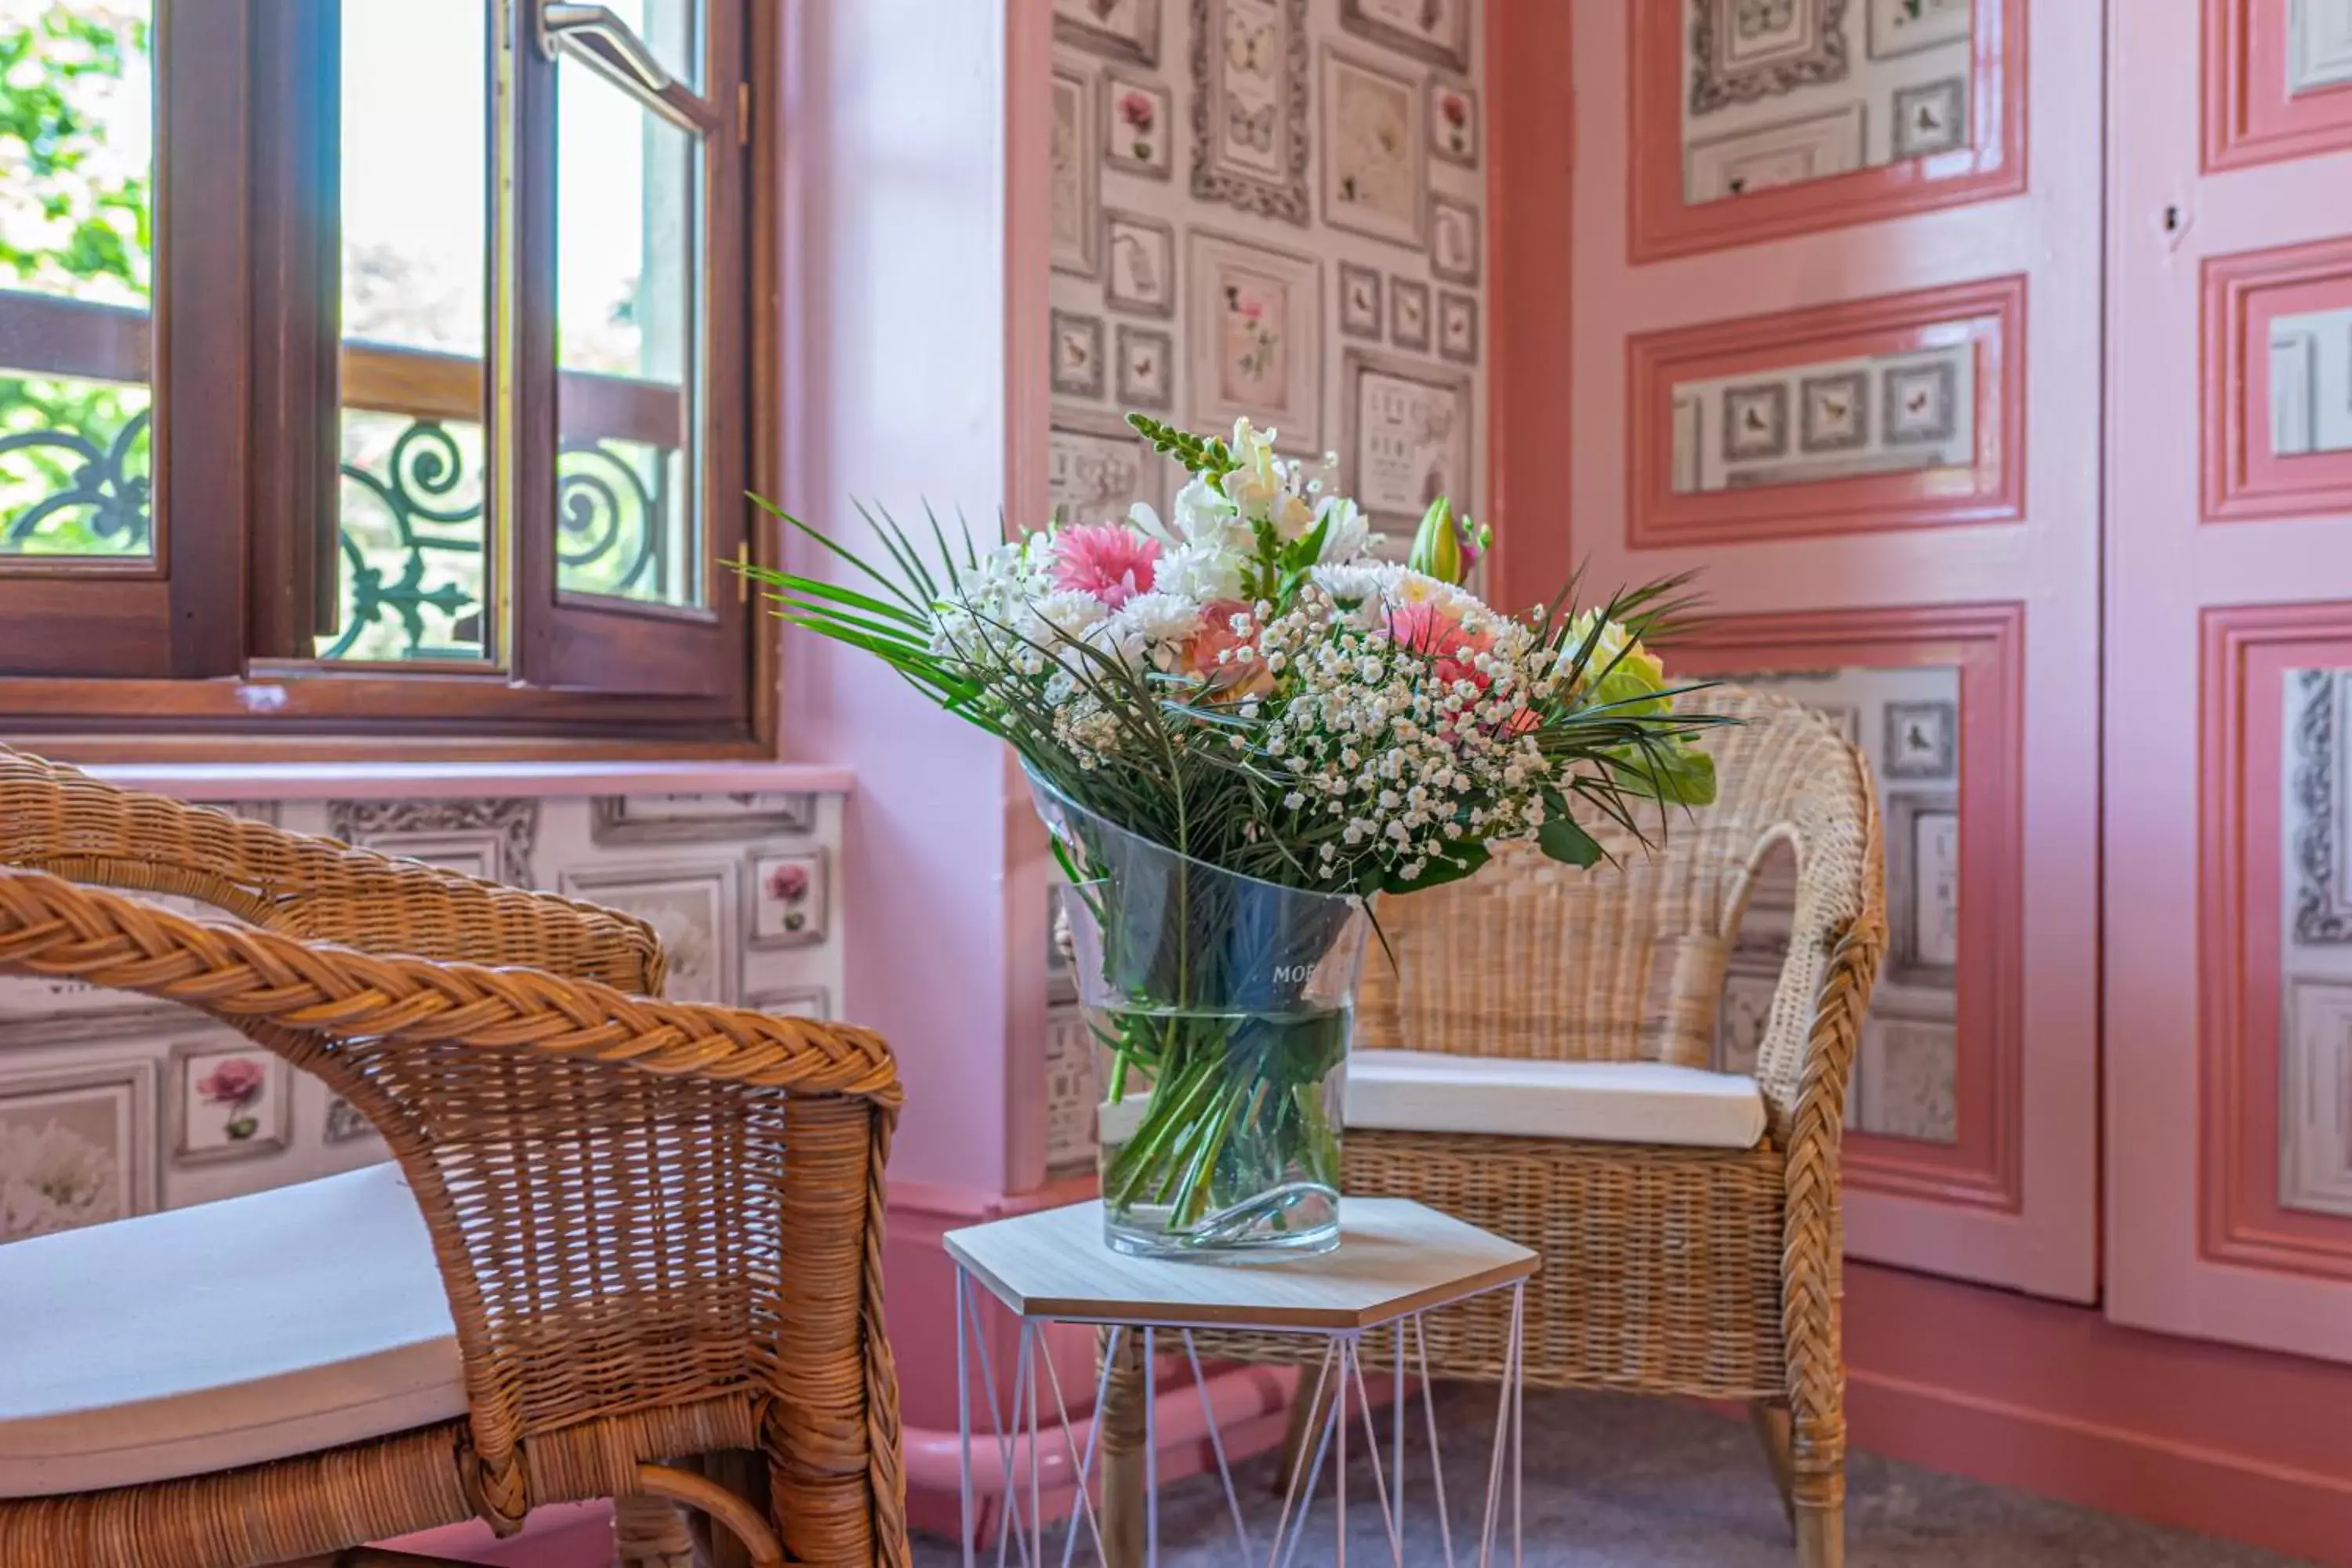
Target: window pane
77 175
410 560
672 29
628 307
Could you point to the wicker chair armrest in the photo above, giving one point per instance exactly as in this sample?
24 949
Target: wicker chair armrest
58 819
56 928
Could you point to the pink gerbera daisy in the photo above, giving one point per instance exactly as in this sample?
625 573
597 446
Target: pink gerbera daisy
1111 562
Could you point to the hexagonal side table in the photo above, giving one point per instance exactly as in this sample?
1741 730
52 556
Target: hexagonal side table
1396 1261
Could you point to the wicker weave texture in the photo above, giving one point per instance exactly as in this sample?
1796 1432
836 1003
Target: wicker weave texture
658 1223
1699 1272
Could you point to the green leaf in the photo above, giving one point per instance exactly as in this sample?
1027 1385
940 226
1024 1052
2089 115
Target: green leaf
1563 840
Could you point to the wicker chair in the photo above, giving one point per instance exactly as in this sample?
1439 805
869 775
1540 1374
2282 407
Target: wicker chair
657 1225
1702 1272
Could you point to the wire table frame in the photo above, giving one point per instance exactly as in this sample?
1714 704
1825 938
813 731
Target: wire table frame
1052 1268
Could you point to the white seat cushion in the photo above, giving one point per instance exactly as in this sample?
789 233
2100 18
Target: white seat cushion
220 1335
1613 1102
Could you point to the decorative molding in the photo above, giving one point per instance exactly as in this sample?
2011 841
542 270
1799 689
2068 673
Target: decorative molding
2254 52
491 840
2251 710
2246 474
1982 1167
1249 109
1662 220
1904 484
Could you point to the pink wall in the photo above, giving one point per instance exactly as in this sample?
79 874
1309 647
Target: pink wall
901 311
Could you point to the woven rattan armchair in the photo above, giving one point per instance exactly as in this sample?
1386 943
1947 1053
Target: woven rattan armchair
1704 1272
658 1224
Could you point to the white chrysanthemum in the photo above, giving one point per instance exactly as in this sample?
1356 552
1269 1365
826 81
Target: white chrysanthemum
1203 573
1054 619
1158 617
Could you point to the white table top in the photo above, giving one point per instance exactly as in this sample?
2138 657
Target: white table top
1396 1257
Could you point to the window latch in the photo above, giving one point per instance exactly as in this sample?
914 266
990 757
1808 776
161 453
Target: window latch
567 28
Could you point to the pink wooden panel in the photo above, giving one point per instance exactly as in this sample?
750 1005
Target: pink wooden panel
2200 622
1990 316
2247 652
1983 1168
2249 115
2041 1233
2244 293
1661 224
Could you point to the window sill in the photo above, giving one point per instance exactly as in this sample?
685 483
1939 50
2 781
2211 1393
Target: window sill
410 781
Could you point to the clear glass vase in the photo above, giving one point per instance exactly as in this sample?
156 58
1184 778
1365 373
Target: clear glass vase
1222 1008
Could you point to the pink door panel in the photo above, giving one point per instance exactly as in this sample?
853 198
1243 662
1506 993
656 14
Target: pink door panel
2228 974
1826 402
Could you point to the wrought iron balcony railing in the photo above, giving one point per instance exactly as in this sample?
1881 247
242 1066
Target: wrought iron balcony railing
410 528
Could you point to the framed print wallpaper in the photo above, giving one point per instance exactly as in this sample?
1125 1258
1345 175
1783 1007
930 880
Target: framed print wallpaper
786 900
1123 29
1077 355
624 819
1146 363
1140 264
1434 31
1136 134
1374 173
691 908
230 1100
77 1146
1074 177
1097 468
1249 105
1408 436
1759 119
1256 337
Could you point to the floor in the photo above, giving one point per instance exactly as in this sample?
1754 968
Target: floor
1618 1482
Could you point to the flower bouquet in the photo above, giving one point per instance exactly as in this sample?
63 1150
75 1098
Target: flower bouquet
1241 725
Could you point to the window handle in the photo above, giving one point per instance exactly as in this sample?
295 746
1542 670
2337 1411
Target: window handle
567 27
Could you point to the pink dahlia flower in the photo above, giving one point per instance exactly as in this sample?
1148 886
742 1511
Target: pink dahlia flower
1111 562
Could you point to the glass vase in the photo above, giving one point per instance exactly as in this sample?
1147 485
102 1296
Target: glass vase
1221 1009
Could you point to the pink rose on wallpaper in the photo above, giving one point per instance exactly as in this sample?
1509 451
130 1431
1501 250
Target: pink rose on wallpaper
1137 110
234 1085
789 883
1455 110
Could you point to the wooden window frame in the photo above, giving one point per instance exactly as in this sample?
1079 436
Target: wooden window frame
201 649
